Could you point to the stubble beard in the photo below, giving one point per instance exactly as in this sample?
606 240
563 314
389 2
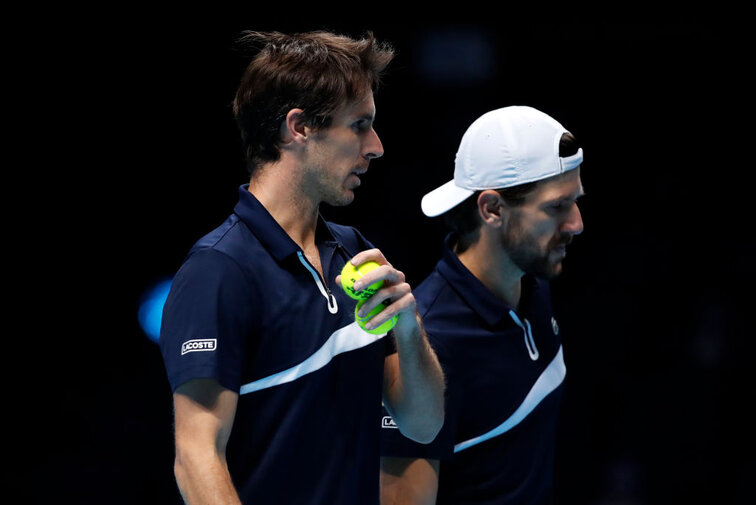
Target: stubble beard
326 188
525 252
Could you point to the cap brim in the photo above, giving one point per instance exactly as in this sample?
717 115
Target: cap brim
443 198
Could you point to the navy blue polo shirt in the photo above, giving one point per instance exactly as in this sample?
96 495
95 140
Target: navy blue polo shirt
247 309
504 371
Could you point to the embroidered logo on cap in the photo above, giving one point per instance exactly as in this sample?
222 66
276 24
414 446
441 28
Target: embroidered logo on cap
197 345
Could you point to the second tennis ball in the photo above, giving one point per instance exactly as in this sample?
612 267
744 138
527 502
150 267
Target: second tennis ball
351 274
382 328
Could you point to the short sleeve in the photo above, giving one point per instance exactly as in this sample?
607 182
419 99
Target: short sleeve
207 320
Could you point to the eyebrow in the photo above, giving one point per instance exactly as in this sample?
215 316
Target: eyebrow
569 198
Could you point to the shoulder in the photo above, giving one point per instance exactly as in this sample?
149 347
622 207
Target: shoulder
232 238
209 274
349 237
439 307
432 294
210 261
226 260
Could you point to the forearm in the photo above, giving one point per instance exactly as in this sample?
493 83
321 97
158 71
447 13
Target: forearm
413 387
416 394
204 479
204 413
409 481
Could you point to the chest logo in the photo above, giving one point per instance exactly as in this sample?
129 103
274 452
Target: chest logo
554 326
197 345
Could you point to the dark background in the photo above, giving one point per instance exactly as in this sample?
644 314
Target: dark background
136 156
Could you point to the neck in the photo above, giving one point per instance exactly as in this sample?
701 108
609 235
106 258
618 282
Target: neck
279 191
491 266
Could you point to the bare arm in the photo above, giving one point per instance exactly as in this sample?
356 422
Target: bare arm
409 481
204 414
413 390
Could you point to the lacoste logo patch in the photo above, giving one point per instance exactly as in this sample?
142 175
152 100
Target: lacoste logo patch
388 422
197 345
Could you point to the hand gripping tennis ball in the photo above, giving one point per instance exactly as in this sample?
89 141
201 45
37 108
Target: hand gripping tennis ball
383 328
350 274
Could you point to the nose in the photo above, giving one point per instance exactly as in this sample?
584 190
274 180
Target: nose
573 223
372 148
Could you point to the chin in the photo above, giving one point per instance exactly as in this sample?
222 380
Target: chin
341 200
555 271
548 270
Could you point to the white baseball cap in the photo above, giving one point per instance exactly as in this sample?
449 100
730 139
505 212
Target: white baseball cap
503 148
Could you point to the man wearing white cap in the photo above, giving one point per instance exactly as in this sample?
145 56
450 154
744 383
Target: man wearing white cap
512 208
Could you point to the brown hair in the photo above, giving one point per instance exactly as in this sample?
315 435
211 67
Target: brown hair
314 71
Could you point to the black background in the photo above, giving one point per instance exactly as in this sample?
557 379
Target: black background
135 155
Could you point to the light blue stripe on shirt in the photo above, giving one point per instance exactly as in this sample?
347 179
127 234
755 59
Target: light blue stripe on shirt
343 340
547 382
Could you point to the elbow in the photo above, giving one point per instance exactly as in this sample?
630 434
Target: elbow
432 431
180 472
182 467
424 430
190 462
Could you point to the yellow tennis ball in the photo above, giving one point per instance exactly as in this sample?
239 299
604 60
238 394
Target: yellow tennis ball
350 274
383 328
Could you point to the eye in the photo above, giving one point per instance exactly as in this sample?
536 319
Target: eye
362 125
560 206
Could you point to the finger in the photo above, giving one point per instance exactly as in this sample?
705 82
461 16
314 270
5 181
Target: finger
390 297
399 307
369 255
386 273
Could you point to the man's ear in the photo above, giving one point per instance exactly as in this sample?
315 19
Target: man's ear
293 129
490 208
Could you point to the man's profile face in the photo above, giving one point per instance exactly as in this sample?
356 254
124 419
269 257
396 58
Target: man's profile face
538 231
340 154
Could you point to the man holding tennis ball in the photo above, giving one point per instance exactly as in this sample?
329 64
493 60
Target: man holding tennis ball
278 379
